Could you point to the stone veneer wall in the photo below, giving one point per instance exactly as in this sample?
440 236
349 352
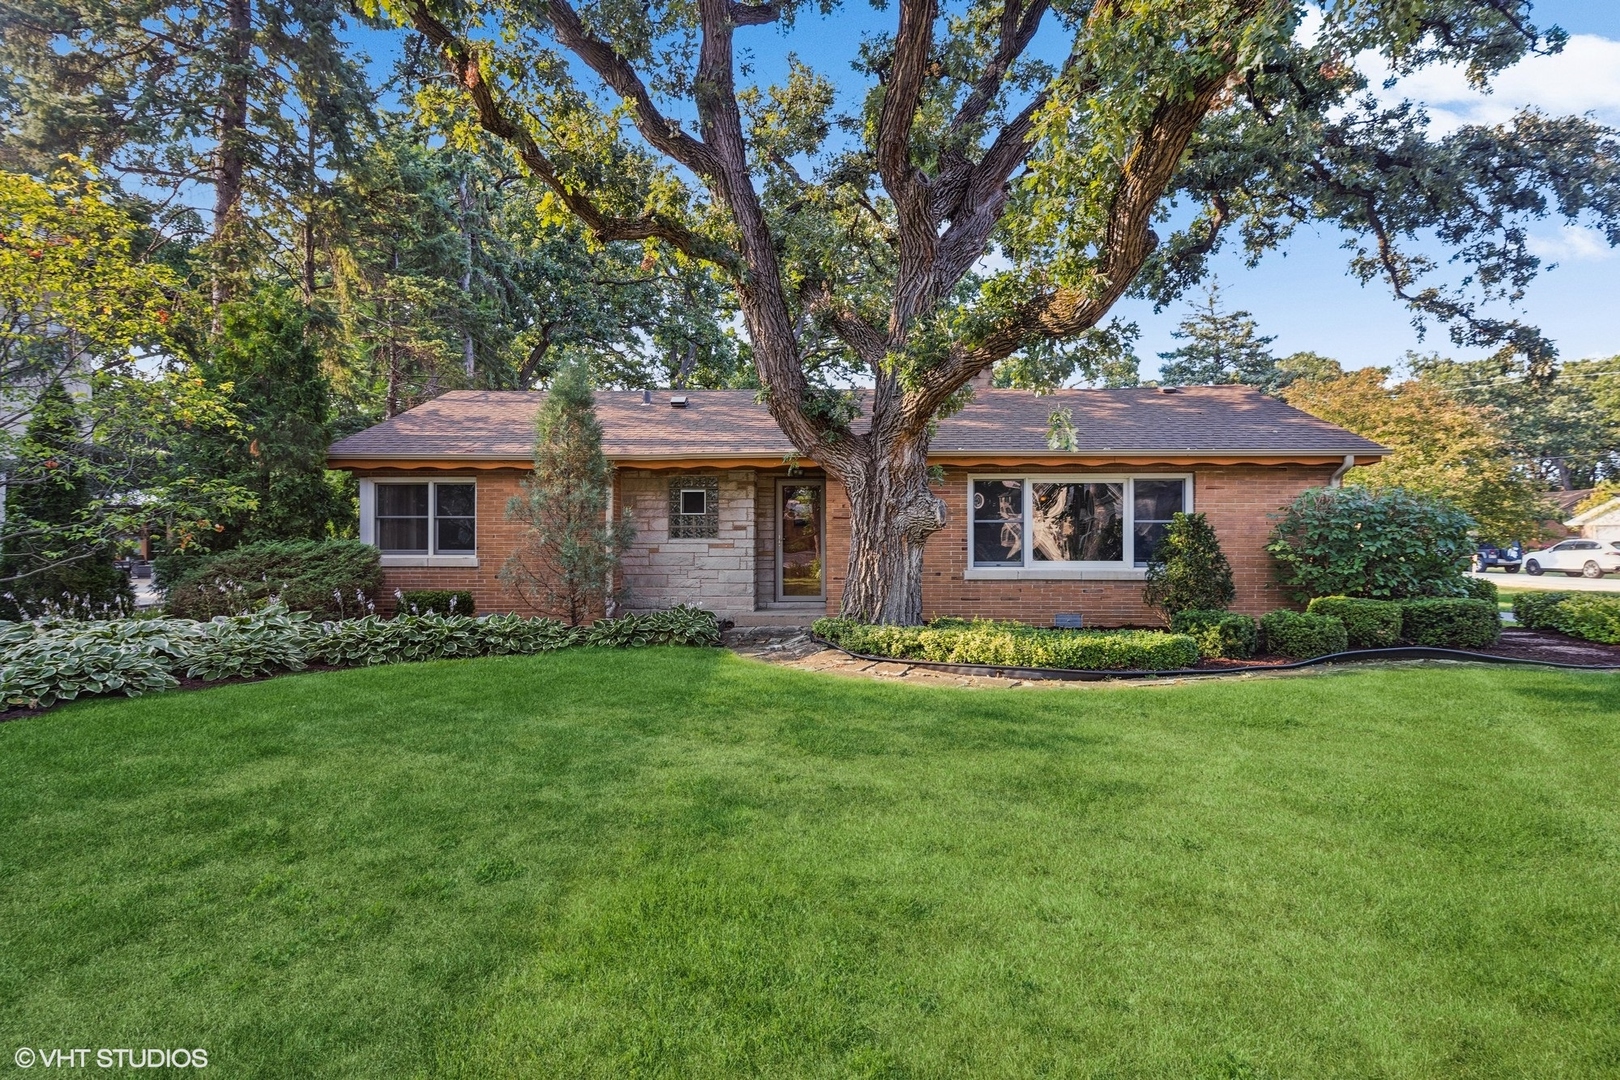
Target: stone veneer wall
1237 500
718 574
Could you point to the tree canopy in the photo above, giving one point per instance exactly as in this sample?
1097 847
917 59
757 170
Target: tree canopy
1166 130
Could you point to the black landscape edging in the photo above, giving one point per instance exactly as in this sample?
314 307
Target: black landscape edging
1408 652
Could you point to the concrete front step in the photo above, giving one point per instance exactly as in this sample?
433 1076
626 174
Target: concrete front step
777 618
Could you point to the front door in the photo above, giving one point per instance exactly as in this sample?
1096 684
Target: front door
800 560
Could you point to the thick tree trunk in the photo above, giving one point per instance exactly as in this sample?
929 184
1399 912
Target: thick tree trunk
230 155
892 515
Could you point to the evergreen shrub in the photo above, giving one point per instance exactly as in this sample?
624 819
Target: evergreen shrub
1368 624
1219 634
1188 570
330 579
1450 623
1302 635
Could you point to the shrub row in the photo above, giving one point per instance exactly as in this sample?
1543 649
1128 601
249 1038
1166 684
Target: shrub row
1588 616
1302 635
1450 622
47 662
955 641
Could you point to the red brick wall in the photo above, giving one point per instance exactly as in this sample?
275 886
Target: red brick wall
497 537
1237 499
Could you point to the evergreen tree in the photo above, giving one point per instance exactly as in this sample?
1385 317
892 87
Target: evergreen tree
1221 347
268 365
566 562
1188 570
53 556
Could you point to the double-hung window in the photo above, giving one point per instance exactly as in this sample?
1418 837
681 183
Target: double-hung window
1071 524
422 519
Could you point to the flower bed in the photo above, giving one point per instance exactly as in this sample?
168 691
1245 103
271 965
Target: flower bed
44 662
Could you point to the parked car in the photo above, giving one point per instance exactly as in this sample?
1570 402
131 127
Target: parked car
1576 558
1508 558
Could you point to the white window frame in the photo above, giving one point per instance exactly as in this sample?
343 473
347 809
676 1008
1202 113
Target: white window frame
1123 570
684 492
368 521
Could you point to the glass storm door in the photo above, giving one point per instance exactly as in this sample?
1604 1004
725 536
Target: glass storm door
800 560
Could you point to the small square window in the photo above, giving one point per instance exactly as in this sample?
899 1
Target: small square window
694 502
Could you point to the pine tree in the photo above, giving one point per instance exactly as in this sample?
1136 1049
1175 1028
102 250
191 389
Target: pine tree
1188 570
1222 347
53 558
566 562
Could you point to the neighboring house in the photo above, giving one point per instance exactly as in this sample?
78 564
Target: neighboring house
727 519
1602 522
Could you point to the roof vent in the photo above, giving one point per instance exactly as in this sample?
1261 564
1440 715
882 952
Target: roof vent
1169 389
678 401
646 397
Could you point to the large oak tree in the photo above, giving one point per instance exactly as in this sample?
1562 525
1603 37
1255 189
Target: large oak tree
1166 126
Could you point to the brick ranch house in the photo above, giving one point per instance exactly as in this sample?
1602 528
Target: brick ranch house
726 519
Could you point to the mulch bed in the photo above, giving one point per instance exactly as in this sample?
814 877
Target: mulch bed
1545 646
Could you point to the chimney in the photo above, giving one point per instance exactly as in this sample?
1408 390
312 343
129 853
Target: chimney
646 397
983 379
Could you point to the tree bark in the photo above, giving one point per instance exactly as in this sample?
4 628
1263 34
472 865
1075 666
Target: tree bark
892 515
230 155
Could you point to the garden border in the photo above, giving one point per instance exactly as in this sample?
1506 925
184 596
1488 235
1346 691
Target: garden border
1351 656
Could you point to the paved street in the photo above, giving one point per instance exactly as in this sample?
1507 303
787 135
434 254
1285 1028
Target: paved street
1554 582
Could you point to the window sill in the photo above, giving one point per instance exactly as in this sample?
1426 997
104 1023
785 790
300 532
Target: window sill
1054 573
430 560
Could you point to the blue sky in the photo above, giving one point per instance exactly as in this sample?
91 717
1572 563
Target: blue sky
1302 294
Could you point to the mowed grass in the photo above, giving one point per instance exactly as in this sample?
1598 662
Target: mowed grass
679 863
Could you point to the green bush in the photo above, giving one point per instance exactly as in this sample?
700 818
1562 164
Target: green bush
331 579
435 601
1219 634
1480 589
1189 571
1590 617
57 660
1387 545
1537 610
1368 624
1453 623
1303 635
953 641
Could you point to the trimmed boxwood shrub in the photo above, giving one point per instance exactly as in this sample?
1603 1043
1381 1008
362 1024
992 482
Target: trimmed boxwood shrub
1369 624
1537 610
1480 589
436 601
1590 617
331 579
1219 634
1303 635
1454 623
954 641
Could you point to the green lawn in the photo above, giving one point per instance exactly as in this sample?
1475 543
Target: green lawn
680 863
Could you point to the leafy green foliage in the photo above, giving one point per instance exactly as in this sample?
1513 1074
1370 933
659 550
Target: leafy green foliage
1538 610
58 660
436 602
1388 544
565 561
1482 589
329 578
1188 570
1220 634
1302 635
1368 624
956 641
1450 622
1590 616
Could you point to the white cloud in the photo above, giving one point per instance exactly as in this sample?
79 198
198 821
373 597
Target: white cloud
1584 78
1571 243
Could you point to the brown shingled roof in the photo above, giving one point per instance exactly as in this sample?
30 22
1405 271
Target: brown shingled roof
1213 420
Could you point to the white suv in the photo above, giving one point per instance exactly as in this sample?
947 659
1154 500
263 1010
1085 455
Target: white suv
1576 558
